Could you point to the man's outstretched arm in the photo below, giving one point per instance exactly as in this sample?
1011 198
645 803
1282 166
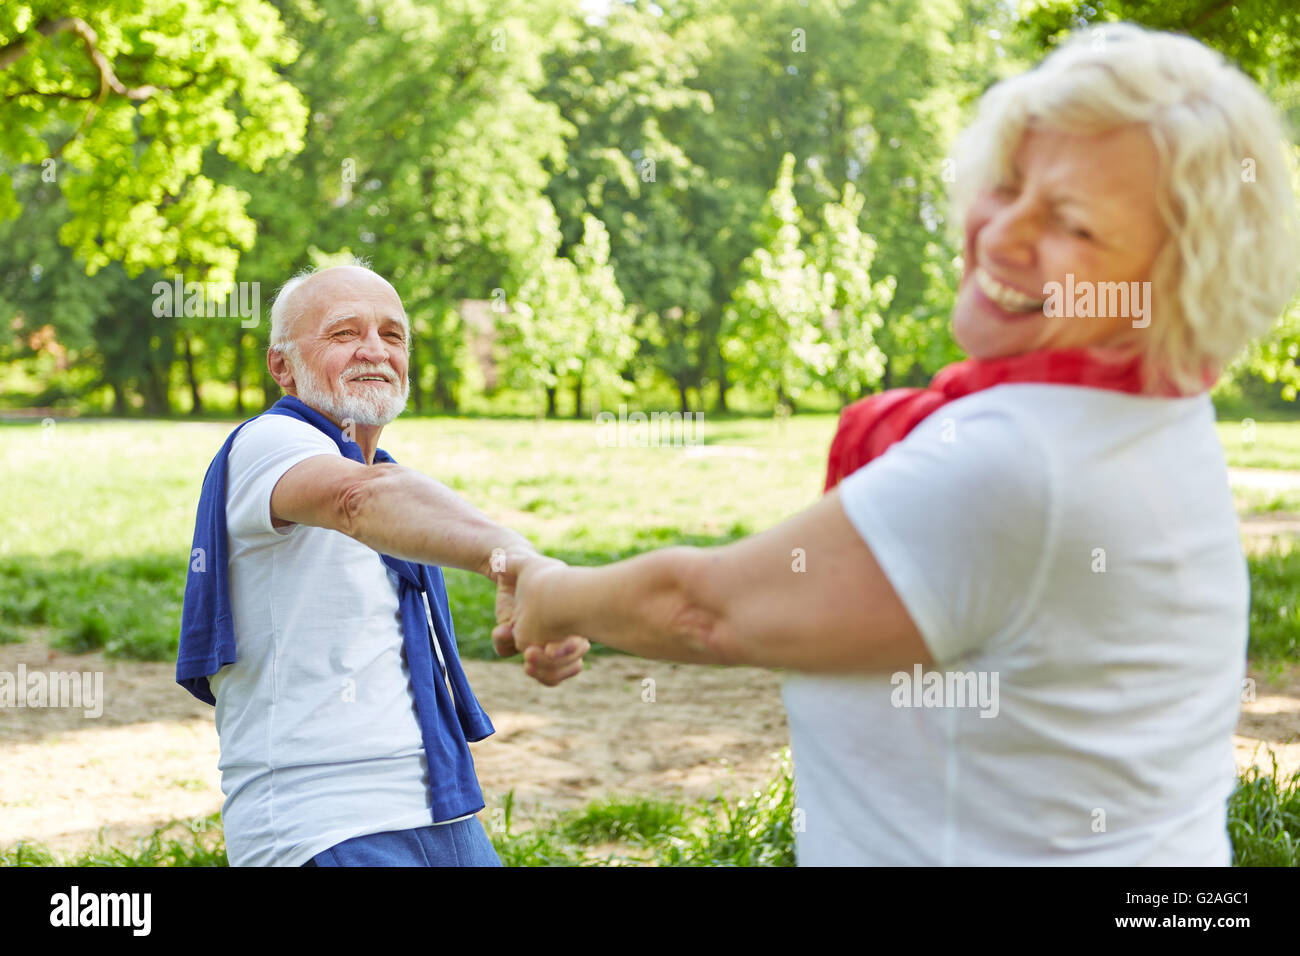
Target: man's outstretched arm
407 514
395 510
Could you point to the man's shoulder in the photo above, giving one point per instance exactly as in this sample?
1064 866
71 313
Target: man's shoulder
270 431
269 439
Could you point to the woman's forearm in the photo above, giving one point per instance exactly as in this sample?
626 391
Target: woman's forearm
648 606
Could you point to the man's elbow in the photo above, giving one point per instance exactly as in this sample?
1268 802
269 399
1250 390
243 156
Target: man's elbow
354 500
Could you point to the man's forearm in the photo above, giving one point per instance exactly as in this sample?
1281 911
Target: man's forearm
404 513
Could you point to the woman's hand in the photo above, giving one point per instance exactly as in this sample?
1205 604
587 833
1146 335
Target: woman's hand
549 658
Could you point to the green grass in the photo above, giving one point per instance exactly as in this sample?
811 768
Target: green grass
199 842
96 519
1264 501
1264 819
1263 822
1261 445
1275 607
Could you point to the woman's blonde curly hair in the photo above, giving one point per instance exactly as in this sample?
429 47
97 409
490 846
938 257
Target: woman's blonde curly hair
1228 187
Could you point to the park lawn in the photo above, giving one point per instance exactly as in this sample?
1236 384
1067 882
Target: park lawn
1250 444
97 516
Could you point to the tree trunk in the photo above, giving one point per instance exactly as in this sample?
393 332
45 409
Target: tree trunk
119 398
194 382
722 385
577 399
442 397
153 388
239 373
550 402
681 395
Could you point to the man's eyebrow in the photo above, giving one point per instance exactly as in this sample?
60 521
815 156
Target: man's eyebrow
350 317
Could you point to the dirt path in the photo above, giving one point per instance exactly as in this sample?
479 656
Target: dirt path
151 758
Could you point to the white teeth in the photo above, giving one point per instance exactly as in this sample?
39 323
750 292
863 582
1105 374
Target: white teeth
1008 298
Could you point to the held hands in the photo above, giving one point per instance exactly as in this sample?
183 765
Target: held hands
549 659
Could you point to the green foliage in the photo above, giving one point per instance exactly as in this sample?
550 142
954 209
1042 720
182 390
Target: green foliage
429 160
461 145
638 822
1259 35
758 831
118 101
622 83
569 322
855 304
771 337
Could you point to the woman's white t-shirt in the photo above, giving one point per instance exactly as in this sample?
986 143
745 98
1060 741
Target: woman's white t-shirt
1072 559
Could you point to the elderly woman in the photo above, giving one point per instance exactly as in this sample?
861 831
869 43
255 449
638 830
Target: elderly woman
1020 619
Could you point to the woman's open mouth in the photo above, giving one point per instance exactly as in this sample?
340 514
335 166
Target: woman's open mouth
1008 302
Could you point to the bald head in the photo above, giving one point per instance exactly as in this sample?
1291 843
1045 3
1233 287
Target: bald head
339 342
307 298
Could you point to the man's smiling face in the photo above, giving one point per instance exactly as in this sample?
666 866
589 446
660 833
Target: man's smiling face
351 336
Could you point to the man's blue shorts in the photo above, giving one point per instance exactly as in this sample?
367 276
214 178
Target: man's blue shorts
463 843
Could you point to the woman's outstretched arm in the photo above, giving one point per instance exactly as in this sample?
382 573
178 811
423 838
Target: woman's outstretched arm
806 595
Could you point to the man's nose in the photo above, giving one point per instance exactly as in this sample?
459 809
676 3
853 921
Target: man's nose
371 348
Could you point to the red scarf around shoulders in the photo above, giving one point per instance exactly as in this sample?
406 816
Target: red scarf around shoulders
869 426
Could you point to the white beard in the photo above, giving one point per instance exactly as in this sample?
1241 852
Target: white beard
374 405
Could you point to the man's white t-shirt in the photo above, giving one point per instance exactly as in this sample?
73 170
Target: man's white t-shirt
1081 546
320 741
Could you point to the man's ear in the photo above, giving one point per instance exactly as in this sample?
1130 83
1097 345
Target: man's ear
279 368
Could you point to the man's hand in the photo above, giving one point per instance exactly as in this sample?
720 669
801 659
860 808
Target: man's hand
516 574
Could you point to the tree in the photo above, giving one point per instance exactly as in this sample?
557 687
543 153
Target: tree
604 343
865 91
771 336
844 254
429 158
117 102
619 82
569 322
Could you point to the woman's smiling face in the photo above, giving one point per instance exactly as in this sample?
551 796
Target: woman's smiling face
1081 205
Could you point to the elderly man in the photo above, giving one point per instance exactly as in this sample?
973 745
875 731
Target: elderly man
316 617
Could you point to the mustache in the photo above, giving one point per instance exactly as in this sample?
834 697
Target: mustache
357 371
